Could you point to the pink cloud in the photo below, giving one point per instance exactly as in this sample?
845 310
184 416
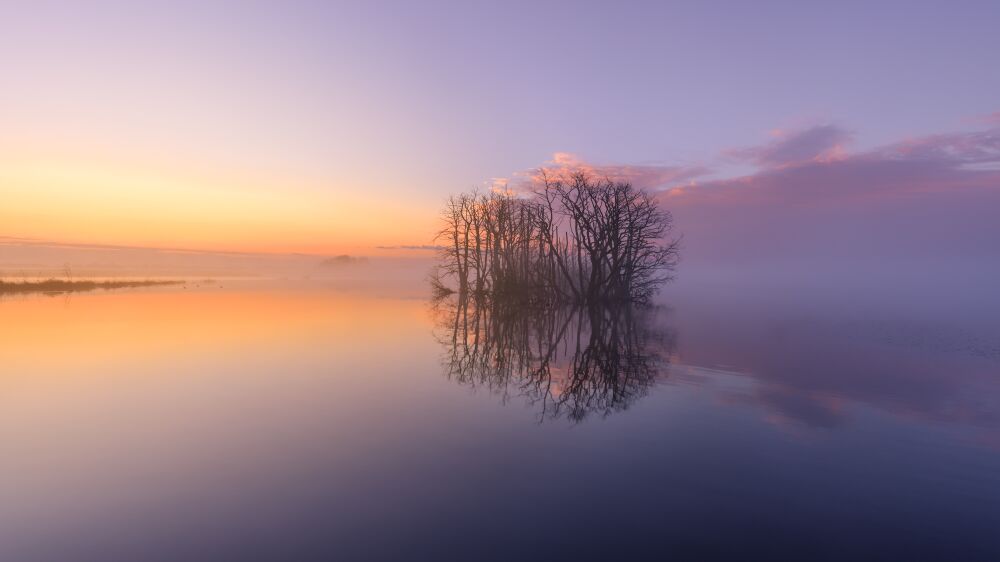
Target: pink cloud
815 144
979 147
987 119
813 199
563 164
933 194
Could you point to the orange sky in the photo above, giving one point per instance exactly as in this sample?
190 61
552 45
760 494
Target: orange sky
72 196
336 128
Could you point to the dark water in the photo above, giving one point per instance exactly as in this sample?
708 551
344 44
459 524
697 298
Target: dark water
309 422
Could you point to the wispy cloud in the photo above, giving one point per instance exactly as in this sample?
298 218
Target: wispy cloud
815 144
811 196
955 149
935 163
937 193
414 247
35 242
987 119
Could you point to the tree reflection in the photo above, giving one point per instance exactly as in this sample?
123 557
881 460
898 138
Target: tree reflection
569 362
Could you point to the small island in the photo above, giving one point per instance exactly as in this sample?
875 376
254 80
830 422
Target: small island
571 239
344 260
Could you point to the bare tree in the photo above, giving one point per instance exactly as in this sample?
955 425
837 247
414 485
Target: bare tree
573 240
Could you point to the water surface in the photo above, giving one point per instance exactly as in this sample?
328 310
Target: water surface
310 421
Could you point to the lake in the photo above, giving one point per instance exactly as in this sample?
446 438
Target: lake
316 420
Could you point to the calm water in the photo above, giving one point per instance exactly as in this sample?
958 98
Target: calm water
319 422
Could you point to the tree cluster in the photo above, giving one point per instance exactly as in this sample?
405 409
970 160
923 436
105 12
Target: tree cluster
574 240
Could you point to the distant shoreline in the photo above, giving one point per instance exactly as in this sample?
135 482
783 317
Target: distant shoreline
55 286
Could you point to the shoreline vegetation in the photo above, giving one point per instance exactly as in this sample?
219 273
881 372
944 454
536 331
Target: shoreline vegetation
59 286
569 240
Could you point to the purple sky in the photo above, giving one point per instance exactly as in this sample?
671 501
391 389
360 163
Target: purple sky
410 101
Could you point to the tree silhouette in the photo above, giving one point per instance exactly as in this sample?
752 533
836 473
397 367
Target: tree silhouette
577 240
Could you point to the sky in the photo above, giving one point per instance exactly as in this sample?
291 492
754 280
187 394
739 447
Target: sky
340 127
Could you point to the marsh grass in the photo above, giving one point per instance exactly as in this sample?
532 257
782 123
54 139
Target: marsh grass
56 286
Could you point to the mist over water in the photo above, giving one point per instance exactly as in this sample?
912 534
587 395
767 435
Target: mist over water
320 415
36 260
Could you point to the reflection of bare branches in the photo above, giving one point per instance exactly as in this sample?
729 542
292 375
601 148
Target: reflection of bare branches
568 361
